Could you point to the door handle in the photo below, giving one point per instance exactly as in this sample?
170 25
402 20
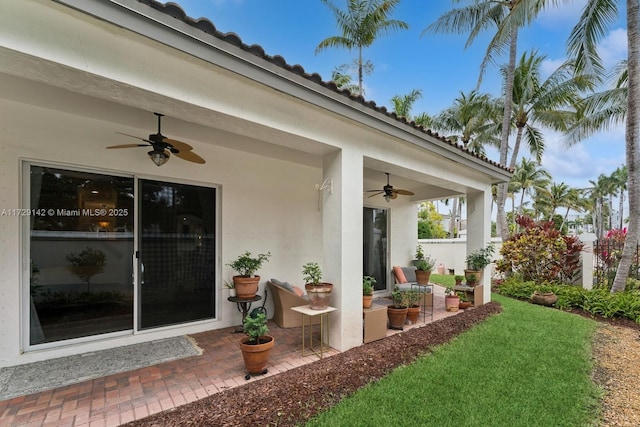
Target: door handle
141 273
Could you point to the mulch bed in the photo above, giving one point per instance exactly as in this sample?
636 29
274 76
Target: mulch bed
276 400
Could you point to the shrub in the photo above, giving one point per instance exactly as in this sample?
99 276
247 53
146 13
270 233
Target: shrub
540 253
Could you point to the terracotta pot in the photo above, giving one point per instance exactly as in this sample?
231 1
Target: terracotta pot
256 356
396 317
464 305
477 274
544 298
452 303
412 314
367 300
422 277
246 287
318 295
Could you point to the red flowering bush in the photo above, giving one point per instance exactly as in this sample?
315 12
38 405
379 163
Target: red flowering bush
540 253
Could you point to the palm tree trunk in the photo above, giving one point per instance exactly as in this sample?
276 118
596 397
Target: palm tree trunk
632 144
501 219
621 208
516 148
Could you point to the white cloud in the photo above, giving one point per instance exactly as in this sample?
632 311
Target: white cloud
613 48
566 12
550 65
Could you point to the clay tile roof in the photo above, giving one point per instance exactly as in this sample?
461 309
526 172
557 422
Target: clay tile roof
206 26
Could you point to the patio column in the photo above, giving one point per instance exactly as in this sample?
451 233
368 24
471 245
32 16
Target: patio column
479 230
342 245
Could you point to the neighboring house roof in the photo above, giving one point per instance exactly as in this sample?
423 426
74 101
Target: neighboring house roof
205 25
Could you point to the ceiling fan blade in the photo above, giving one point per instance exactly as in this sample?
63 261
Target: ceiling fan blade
378 193
136 137
127 146
182 146
404 192
373 191
190 156
394 195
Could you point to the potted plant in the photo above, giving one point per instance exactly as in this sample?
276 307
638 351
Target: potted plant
231 287
246 282
464 301
413 304
367 291
397 312
458 279
257 345
451 299
423 269
318 292
477 261
419 255
544 295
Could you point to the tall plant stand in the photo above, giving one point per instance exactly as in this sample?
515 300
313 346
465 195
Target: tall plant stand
423 288
244 305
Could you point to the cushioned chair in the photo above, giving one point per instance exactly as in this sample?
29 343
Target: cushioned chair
283 300
404 276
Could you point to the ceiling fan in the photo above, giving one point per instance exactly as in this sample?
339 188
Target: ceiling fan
389 192
162 146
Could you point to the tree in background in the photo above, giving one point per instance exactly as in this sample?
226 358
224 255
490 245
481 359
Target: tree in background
430 222
360 25
583 46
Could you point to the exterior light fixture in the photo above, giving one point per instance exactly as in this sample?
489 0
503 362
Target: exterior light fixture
158 157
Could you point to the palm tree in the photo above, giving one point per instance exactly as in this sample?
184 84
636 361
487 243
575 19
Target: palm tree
361 24
620 177
473 120
506 16
547 103
589 30
343 80
402 104
529 176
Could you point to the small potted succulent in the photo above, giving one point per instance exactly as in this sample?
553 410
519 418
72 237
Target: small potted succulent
246 265
231 286
367 291
318 292
458 279
257 345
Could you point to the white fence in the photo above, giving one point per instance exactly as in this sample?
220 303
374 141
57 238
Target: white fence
450 255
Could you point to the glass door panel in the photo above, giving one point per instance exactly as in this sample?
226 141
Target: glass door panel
375 246
176 253
81 251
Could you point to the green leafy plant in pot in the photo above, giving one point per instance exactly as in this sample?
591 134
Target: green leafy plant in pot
318 292
413 304
476 263
246 265
367 291
256 346
423 269
397 312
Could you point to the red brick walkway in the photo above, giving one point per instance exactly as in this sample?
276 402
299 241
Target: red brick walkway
128 396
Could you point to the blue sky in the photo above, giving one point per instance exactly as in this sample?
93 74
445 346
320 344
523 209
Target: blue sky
437 64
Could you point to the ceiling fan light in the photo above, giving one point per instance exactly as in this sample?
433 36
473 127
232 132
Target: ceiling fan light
158 157
387 197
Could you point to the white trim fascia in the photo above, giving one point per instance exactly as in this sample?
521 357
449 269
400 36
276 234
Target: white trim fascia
139 18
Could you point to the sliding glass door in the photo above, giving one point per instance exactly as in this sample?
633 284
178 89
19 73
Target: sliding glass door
82 254
177 253
375 246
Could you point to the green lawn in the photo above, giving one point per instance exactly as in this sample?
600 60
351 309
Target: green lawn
442 279
528 366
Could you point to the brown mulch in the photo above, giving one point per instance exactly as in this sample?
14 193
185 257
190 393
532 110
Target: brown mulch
290 398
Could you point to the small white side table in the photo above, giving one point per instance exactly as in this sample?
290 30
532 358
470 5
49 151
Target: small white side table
308 313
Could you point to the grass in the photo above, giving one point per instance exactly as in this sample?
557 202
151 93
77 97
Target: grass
443 279
527 366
